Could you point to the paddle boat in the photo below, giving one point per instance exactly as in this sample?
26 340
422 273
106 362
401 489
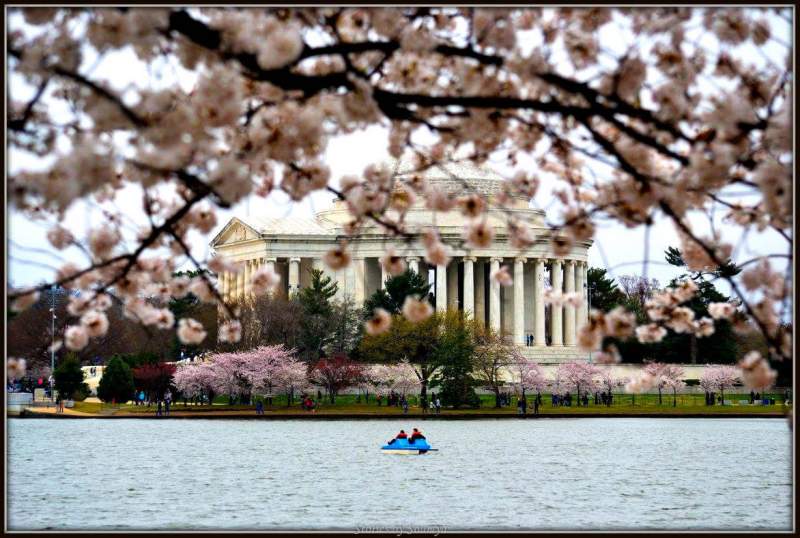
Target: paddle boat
404 447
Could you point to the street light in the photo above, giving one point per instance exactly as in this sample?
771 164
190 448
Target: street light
53 336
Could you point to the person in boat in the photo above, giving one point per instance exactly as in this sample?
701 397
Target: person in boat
401 435
416 434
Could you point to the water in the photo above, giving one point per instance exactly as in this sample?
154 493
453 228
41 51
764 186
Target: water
545 474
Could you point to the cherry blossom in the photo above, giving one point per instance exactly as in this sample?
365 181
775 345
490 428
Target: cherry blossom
95 323
76 337
756 372
416 310
380 322
676 123
190 331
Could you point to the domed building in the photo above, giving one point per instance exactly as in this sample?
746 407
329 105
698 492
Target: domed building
546 333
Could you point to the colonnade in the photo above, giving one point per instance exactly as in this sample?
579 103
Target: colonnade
465 285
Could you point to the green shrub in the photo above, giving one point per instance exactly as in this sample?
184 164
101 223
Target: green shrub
68 377
116 383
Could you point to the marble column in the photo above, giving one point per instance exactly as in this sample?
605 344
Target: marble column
294 275
248 274
240 283
556 323
270 263
580 287
224 285
452 285
538 310
469 285
519 298
569 310
413 264
441 288
359 289
384 276
494 295
480 291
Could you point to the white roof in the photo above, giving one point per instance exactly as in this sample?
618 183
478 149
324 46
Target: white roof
287 225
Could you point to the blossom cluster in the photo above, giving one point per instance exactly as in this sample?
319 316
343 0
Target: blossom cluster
679 119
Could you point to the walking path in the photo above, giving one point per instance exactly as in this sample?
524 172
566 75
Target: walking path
450 415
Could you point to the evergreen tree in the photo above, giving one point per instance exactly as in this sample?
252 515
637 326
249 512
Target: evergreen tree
116 383
453 354
720 347
603 291
392 296
317 323
347 327
68 377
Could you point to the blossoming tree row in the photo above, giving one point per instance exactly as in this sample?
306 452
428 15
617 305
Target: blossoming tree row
685 110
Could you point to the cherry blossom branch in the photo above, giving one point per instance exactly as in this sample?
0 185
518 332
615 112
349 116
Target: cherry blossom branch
99 90
18 124
202 273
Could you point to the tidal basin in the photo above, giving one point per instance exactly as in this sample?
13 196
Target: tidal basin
581 473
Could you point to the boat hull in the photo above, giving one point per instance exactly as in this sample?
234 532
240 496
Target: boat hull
403 447
404 451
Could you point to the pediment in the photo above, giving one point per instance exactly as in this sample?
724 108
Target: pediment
234 232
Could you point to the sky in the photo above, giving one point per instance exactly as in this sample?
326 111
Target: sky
31 260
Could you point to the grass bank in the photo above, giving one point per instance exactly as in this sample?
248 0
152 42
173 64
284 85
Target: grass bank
349 406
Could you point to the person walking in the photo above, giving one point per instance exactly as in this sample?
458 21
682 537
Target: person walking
167 402
158 409
260 407
536 406
438 405
519 406
404 403
524 406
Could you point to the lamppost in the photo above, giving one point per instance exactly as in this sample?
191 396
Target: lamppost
53 336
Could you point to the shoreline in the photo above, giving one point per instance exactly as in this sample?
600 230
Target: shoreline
227 415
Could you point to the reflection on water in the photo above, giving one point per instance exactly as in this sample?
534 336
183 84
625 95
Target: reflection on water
545 474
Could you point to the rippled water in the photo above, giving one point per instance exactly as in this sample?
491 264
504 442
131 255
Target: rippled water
545 474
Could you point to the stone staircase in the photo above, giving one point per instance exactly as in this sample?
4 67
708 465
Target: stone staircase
554 355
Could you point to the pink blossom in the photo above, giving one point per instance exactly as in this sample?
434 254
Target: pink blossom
95 323
650 333
756 372
190 331
76 337
502 276
337 258
379 323
230 331
23 302
102 241
60 237
479 234
264 280
15 368
392 263
416 310
721 310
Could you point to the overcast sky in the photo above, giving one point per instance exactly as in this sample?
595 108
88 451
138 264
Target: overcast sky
31 260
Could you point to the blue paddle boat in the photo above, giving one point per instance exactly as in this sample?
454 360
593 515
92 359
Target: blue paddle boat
404 447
